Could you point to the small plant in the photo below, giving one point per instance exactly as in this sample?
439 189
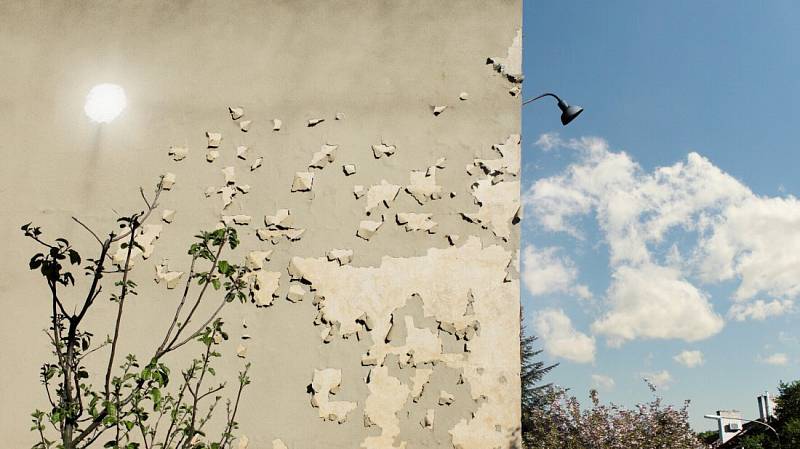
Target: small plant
136 405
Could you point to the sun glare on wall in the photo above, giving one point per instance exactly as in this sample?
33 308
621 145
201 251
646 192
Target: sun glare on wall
105 102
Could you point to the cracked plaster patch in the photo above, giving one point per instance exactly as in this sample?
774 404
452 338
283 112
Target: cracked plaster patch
351 296
145 239
214 139
163 274
368 228
417 222
511 64
499 204
236 112
326 382
383 149
303 181
383 193
178 153
342 256
326 155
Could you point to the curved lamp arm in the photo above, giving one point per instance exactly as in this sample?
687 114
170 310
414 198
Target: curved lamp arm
547 94
568 113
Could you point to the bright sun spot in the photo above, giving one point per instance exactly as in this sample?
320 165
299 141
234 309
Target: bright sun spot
105 102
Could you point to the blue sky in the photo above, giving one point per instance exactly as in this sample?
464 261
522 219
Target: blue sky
660 81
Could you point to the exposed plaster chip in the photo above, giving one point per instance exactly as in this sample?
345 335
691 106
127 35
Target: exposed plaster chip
422 185
343 256
255 261
440 163
256 163
315 121
281 220
349 169
302 181
499 204
278 444
178 153
227 193
241 351
169 181
326 382
514 91
212 155
172 278
421 377
276 124
167 215
383 149
427 421
274 235
240 220
296 293
359 191
244 125
244 188
438 109
446 398
213 139
417 222
241 151
236 112
381 193
326 155
453 238
210 191
145 238
279 225
387 397
230 175
264 286
509 161
368 228
511 64
463 96
340 116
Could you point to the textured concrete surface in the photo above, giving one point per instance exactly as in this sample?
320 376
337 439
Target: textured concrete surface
419 311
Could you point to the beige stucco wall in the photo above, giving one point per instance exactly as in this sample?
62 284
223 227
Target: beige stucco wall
383 64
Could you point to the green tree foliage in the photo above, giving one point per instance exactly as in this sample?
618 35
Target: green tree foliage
134 405
535 395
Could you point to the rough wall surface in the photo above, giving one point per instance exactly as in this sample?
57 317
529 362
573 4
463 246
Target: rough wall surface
383 239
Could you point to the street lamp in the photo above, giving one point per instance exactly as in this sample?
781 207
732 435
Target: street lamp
718 417
568 113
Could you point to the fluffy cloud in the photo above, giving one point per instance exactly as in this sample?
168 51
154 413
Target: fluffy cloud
689 359
660 380
545 271
561 339
760 309
655 302
726 232
777 359
602 382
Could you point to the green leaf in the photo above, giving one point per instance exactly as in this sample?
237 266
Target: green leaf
215 283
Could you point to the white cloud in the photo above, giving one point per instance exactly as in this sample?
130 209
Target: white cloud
603 382
777 359
760 309
725 232
545 271
655 302
690 359
660 380
560 339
